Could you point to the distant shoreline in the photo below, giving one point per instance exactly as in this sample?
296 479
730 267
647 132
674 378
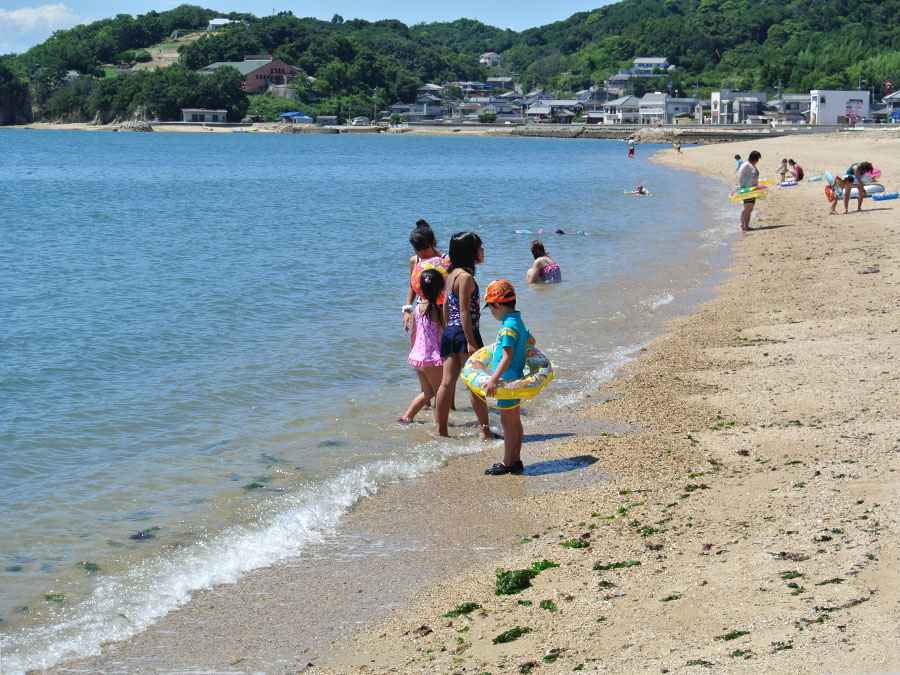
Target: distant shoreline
687 134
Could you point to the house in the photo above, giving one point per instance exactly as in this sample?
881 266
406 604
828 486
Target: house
500 83
592 98
430 89
828 106
735 107
642 66
659 108
703 112
789 108
649 66
203 115
257 72
217 24
327 120
594 117
892 103
623 110
489 59
554 110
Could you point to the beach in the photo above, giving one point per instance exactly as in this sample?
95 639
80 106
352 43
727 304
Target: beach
750 523
731 500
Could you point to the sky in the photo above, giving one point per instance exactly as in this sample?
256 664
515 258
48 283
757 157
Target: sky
24 23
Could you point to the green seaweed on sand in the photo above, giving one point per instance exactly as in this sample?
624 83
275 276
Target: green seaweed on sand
89 567
833 580
575 543
56 598
542 565
604 584
796 589
462 610
693 487
525 603
791 574
647 531
603 567
527 667
549 605
700 662
510 582
732 635
671 597
741 654
780 646
510 635
721 423
551 655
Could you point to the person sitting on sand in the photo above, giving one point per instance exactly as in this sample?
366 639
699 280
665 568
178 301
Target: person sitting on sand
748 177
544 269
796 170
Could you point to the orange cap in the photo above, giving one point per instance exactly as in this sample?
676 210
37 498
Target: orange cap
500 290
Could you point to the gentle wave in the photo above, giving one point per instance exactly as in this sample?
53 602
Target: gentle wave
123 605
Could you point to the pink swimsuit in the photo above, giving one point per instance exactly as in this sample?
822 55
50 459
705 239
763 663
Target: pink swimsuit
426 350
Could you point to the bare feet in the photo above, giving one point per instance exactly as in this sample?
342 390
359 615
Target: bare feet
405 420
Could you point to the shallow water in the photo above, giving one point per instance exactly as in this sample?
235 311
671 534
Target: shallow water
201 334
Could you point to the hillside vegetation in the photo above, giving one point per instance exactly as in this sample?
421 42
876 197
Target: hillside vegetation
358 65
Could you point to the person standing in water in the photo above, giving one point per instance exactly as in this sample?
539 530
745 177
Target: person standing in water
461 337
748 176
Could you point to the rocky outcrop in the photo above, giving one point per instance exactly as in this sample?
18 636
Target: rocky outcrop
134 125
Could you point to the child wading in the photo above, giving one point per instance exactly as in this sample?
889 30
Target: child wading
425 355
461 336
510 352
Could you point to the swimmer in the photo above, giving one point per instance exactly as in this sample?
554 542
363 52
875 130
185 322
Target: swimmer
544 269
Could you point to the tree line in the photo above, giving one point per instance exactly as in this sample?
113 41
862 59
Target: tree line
355 66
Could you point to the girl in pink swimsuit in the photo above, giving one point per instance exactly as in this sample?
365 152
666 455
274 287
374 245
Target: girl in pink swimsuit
425 355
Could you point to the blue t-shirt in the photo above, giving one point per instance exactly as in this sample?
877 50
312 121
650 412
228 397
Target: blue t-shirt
512 333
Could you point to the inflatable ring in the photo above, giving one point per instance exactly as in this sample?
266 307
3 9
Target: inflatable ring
742 194
538 374
435 263
885 196
788 183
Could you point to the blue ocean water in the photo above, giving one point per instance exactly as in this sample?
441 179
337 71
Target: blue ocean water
200 334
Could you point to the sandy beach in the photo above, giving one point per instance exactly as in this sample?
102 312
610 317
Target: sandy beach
734 506
750 525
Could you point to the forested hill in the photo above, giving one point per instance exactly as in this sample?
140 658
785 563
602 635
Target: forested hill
357 64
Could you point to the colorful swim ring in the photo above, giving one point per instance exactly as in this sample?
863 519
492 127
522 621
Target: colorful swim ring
871 189
538 374
435 263
743 194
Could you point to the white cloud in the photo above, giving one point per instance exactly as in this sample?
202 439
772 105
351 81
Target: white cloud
26 26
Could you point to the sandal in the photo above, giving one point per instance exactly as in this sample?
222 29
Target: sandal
501 469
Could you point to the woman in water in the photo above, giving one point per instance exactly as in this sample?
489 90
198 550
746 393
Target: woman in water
461 337
544 269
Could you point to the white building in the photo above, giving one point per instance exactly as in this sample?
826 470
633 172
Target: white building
660 108
736 107
203 115
216 24
622 110
827 106
647 66
489 59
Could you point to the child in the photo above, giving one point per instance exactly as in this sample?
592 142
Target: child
832 192
424 243
783 170
737 162
796 170
510 352
425 355
461 337
630 149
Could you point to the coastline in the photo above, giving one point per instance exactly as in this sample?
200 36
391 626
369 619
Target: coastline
650 396
754 513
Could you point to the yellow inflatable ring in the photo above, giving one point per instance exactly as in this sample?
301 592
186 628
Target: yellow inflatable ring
742 194
538 374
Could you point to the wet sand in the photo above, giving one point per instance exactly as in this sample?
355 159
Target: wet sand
751 448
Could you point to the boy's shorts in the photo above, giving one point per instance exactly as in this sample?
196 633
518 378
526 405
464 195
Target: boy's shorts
509 404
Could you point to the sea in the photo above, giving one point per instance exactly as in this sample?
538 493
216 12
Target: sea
202 357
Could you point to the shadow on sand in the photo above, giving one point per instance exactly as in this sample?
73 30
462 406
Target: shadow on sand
552 466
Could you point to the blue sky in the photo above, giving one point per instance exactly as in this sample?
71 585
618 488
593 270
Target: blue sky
24 23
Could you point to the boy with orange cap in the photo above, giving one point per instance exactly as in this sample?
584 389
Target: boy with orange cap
510 351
